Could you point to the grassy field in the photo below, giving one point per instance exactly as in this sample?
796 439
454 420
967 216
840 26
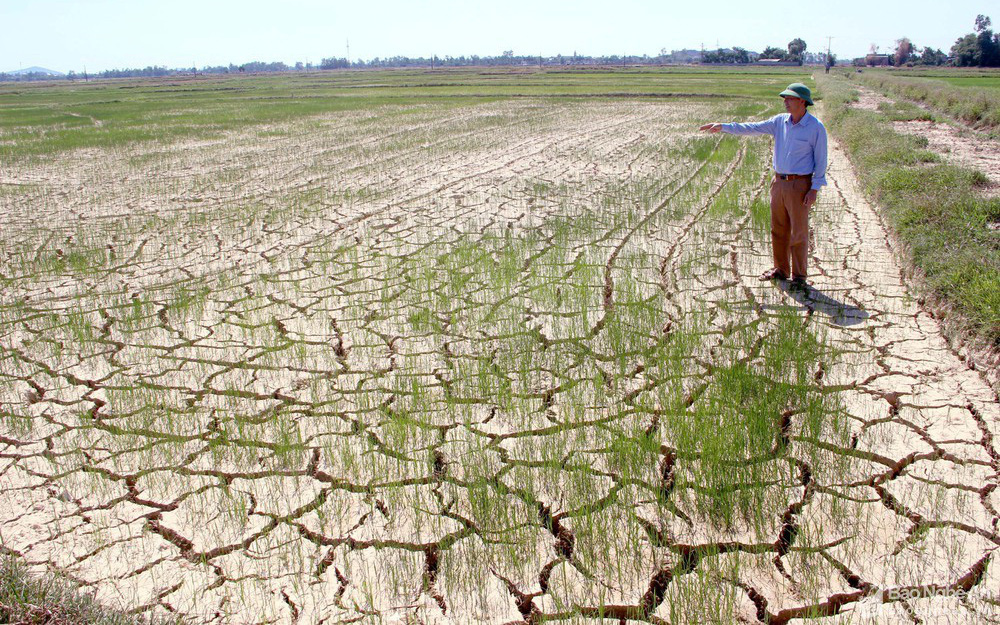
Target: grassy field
460 346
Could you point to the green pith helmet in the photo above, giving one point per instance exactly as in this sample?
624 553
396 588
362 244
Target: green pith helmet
798 90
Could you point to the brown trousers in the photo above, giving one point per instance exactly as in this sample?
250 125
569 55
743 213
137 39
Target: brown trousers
790 225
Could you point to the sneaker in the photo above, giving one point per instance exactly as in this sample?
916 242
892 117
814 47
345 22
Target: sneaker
773 274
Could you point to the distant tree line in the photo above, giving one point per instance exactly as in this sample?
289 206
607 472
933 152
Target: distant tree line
29 76
978 49
508 58
905 54
159 71
794 52
737 56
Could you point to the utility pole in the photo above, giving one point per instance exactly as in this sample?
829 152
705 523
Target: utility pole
828 64
348 52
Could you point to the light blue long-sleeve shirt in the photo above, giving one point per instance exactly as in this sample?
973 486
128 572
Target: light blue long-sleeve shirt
798 148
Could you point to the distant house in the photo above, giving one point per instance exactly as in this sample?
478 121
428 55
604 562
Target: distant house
684 56
35 71
776 63
876 60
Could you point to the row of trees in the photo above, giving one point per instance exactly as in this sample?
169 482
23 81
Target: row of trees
795 50
738 56
908 54
155 71
978 49
507 58
794 54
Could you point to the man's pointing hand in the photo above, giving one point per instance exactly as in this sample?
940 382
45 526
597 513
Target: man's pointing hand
711 128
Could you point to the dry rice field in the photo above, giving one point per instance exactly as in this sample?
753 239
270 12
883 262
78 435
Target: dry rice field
504 362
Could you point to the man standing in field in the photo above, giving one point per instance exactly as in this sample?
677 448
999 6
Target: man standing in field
799 172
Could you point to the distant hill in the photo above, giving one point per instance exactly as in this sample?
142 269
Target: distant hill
35 70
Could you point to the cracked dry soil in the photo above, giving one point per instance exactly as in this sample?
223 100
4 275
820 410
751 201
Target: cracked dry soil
437 368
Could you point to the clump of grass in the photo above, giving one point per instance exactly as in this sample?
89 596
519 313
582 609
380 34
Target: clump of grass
904 111
28 599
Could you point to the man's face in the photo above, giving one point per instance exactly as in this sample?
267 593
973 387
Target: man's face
795 106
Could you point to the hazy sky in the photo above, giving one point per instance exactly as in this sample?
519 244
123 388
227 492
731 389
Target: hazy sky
105 34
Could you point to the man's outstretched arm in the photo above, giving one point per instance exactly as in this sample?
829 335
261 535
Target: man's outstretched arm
765 127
